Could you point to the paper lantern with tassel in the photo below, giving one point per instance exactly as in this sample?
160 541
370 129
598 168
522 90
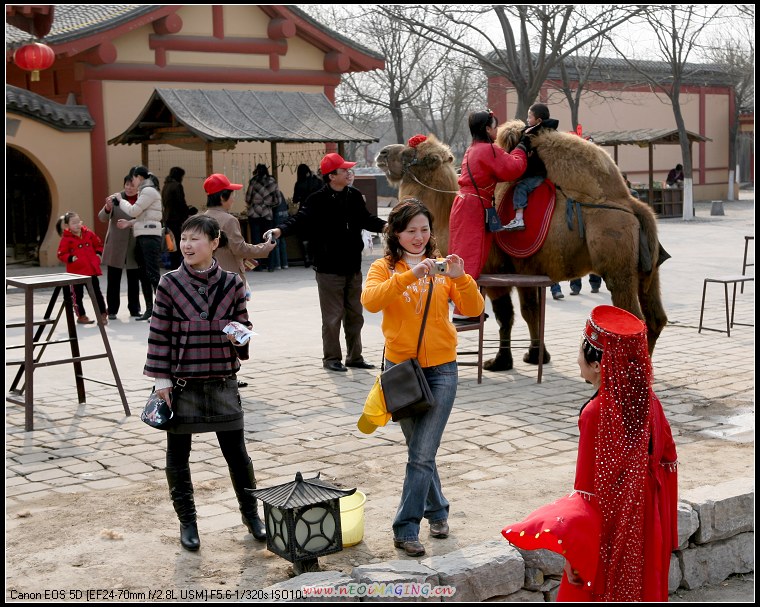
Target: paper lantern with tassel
33 58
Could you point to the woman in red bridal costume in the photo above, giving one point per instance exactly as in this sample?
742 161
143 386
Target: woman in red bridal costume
618 527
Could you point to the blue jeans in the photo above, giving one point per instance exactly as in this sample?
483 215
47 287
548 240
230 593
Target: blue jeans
524 187
422 495
555 288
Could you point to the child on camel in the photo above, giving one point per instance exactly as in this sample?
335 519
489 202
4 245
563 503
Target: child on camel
538 117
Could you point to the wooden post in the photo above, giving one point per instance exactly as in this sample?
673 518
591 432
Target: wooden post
273 152
651 175
209 159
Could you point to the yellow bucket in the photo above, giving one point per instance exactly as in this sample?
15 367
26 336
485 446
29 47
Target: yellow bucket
352 518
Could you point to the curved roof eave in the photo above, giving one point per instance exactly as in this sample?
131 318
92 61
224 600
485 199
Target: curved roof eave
63 117
79 27
219 116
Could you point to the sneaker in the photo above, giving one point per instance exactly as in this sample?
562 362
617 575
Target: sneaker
113 316
558 295
575 292
595 290
83 320
515 225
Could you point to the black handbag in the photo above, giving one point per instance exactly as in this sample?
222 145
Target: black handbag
493 222
157 413
405 388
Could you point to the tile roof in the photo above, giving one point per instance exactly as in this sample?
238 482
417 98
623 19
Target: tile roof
74 21
607 69
227 116
642 137
62 117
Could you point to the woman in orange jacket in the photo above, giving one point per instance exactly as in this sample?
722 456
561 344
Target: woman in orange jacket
81 250
398 285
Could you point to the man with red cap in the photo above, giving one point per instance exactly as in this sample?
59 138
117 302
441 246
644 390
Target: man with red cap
230 255
332 220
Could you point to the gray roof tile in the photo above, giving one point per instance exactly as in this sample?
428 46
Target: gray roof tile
229 116
62 117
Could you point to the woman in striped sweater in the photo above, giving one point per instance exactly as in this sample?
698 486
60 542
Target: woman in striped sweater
195 364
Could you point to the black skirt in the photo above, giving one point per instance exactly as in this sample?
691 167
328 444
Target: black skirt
208 405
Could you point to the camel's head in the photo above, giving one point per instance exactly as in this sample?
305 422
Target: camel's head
509 134
426 157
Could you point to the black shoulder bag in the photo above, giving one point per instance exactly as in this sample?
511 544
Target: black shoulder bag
405 388
493 223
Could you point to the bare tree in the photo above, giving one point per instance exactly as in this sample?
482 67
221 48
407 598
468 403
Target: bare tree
677 30
735 53
545 36
412 63
444 104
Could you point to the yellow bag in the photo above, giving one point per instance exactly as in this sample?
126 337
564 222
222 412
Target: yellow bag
375 412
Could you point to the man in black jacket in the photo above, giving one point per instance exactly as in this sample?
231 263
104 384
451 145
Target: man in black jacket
332 220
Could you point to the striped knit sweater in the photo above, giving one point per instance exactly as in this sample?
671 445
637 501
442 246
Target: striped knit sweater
189 313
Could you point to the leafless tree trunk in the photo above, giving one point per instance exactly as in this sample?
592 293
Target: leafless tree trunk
412 64
735 52
443 106
534 38
677 30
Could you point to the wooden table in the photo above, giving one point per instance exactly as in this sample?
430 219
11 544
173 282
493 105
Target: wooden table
61 283
539 282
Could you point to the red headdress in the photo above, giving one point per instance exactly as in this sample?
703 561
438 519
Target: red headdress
621 452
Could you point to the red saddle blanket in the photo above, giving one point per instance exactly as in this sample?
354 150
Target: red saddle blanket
537 217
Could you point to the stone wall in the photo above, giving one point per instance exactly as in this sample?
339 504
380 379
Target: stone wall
716 540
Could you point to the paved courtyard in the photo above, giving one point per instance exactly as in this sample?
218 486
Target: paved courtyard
508 441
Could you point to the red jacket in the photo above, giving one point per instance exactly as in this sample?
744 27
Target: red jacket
489 165
86 248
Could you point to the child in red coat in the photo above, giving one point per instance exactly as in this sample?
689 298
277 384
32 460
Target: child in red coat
81 250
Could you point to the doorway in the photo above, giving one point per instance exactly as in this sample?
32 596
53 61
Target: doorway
27 208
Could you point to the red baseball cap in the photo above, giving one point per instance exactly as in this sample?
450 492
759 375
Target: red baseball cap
333 162
218 182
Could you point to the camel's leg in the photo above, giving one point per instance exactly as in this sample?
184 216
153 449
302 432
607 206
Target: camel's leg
531 311
504 311
654 314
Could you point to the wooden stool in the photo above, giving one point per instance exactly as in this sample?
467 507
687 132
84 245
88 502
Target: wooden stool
746 265
538 282
473 326
60 283
725 281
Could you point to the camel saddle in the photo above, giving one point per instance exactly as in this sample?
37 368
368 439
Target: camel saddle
537 216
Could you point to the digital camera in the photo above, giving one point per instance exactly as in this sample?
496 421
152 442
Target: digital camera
441 266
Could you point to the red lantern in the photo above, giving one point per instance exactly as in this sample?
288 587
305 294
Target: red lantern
33 58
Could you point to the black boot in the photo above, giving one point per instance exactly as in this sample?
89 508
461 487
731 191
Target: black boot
181 491
242 481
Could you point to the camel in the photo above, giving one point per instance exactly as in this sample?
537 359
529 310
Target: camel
620 242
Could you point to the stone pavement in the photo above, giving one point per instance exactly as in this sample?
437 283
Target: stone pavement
300 417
